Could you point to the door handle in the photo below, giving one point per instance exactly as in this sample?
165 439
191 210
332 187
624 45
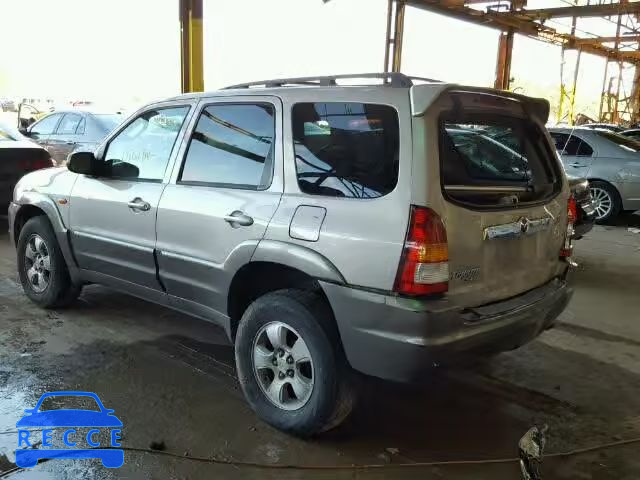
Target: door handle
139 204
576 165
70 143
238 219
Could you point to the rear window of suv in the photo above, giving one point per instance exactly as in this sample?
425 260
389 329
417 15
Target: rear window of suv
485 157
346 149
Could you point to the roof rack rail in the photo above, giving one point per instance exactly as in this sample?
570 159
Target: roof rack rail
393 79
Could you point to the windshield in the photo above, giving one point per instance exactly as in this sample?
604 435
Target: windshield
626 143
109 120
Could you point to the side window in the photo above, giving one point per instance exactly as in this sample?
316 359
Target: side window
46 125
560 140
232 145
584 150
69 124
346 149
142 150
574 146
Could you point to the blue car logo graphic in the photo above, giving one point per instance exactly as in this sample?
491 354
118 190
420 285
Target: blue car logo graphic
49 419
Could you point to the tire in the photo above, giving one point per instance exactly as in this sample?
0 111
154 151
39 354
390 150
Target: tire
305 315
59 291
605 192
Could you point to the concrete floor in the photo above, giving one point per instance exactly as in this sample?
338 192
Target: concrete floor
170 378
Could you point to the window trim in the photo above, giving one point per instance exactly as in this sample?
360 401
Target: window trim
82 123
104 148
378 103
233 186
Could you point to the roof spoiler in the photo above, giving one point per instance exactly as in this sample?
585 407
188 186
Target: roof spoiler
423 96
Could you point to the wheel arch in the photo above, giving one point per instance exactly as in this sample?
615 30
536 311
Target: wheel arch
34 204
24 214
259 277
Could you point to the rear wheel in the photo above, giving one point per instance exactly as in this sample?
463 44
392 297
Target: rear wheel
606 200
290 365
41 266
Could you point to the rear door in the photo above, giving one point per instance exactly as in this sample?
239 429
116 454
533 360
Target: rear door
63 140
576 153
493 177
220 200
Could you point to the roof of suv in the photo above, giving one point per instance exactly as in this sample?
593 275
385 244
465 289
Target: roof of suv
385 80
429 89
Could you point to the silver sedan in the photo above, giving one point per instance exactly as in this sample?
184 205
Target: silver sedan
611 163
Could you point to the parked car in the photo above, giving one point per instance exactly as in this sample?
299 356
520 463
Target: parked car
585 212
18 156
611 163
326 228
62 132
7 105
632 133
604 126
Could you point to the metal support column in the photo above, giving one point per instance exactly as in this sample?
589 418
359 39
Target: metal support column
191 57
393 43
503 62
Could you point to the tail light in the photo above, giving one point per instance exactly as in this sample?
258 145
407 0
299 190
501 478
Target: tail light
572 210
424 265
572 217
36 164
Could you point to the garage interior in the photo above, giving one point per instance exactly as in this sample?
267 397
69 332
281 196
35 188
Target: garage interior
174 375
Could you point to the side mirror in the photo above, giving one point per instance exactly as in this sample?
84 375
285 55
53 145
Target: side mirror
24 131
124 170
84 163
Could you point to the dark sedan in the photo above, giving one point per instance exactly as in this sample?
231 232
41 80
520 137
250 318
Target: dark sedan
18 156
62 132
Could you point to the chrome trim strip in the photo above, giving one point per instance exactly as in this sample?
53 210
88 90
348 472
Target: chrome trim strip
487 189
524 226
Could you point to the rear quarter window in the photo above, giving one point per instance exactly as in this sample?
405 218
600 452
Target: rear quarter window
346 149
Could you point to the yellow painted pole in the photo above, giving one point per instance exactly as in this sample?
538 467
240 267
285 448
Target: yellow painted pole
191 46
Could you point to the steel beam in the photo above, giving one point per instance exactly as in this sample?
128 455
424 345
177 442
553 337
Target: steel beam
580 11
395 33
191 56
503 62
523 26
599 40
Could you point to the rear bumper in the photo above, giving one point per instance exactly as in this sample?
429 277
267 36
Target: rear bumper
399 339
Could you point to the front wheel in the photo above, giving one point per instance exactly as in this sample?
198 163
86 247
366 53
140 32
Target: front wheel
290 365
606 201
41 266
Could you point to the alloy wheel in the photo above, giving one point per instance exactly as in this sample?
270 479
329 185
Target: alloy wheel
37 263
283 366
602 202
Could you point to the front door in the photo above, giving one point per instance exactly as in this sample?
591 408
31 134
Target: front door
113 215
41 130
220 200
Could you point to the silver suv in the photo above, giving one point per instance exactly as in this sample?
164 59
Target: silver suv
381 228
